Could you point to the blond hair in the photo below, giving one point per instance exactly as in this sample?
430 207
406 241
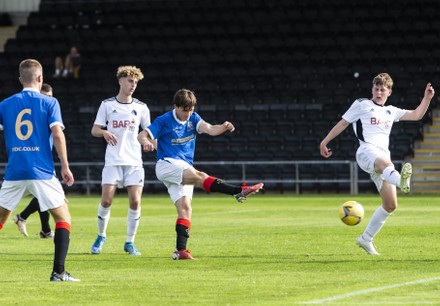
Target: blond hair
383 79
29 70
129 71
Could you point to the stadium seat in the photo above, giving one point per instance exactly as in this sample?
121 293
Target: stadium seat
281 71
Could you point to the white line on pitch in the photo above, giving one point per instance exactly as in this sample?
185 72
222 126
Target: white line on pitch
365 291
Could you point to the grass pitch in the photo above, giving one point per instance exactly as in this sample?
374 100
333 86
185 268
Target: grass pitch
271 250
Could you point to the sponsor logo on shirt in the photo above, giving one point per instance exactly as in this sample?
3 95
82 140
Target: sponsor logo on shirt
182 140
378 121
117 124
25 149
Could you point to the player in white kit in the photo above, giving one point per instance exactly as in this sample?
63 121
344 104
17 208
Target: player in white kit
117 121
372 121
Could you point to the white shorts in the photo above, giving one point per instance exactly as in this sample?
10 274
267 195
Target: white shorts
170 172
49 193
123 176
366 155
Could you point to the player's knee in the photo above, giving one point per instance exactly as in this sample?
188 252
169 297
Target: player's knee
135 204
61 216
106 203
390 206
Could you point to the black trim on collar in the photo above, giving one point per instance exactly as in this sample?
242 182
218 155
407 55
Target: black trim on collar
376 103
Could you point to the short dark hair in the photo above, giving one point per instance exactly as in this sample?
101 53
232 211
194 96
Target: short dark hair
185 99
46 87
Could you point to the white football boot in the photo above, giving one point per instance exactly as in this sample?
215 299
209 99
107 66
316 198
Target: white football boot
368 246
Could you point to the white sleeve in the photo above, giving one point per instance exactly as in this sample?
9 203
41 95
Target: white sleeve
101 116
399 113
353 113
145 118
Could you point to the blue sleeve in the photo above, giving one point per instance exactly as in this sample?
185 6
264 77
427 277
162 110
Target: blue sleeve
54 115
156 128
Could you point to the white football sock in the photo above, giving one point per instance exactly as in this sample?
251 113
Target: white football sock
103 218
391 175
133 218
377 221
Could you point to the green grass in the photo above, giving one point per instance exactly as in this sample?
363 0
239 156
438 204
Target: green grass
272 250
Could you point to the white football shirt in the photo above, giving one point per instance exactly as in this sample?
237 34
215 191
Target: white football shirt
371 122
123 120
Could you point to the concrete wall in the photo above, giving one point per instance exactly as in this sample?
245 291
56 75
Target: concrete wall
19 10
19 5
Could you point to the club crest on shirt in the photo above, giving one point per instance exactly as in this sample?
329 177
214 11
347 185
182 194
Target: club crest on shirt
190 126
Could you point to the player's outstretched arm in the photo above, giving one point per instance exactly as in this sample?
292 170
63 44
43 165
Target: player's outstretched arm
216 129
334 132
420 111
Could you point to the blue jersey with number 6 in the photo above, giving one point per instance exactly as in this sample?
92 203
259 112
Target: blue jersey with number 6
27 118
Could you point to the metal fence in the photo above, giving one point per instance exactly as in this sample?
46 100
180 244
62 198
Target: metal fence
296 174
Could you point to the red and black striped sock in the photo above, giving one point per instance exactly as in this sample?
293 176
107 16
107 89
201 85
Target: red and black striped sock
183 227
213 184
61 241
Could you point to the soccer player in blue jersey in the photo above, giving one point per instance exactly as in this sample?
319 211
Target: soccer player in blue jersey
29 119
372 121
33 206
175 135
117 121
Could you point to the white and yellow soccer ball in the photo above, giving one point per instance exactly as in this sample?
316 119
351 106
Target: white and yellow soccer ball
351 213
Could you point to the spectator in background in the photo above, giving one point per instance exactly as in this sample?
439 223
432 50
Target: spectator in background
71 66
33 206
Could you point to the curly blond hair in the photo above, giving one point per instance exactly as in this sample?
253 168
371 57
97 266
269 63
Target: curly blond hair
383 79
129 71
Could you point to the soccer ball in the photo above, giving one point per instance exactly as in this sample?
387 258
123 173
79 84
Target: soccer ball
351 213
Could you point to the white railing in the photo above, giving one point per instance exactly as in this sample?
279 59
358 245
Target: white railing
88 174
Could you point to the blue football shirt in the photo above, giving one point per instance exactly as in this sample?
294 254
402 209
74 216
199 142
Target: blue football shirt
26 118
175 139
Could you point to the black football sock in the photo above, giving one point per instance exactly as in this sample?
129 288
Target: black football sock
32 207
212 184
44 218
182 229
61 241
